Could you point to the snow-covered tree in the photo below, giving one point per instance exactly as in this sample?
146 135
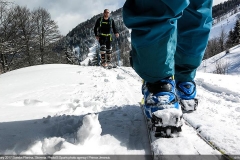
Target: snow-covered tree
26 29
7 35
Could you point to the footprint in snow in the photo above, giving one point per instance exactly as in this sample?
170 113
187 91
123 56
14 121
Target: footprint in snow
119 77
28 102
237 109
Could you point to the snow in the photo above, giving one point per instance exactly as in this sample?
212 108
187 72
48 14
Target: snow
228 61
169 116
91 54
219 109
68 110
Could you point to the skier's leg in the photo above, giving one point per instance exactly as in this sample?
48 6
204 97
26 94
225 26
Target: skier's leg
193 32
153 36
108 50
102 50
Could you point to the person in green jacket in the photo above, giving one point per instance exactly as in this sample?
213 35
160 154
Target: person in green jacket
102 31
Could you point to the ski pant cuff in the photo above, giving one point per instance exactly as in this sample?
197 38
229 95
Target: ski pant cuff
155 61
186 67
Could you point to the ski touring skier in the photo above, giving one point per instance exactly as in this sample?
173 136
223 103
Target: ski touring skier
102 31
168 41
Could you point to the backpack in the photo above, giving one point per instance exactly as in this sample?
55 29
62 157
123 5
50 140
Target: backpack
109 21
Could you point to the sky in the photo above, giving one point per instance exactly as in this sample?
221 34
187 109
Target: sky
68 14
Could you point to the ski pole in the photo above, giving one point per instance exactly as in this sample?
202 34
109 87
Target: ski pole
118 52
98 54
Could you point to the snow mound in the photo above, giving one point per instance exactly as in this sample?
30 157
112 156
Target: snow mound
88 139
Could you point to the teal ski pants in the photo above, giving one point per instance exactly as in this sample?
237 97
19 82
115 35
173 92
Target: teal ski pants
168 37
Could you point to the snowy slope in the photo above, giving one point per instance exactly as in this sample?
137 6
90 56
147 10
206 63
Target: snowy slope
43 103
226 25
91 54
230 61
67 109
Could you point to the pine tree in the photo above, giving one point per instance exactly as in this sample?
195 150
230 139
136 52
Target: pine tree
236 33
230 40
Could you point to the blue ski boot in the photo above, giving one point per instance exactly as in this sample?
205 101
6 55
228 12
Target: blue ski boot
186 92
162 108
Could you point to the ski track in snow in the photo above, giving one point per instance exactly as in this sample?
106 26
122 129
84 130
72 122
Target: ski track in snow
218 108
91 110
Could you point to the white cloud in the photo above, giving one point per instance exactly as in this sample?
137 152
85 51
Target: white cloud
68 14
215 2
67 22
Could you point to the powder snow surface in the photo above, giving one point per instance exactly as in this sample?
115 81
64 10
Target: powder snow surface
67 109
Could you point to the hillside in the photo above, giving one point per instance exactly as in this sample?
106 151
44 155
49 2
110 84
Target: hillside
226 25
79 42
81 38
230 62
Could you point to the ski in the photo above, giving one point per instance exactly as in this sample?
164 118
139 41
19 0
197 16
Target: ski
224 155
191 106
188 140
150 140
110 66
